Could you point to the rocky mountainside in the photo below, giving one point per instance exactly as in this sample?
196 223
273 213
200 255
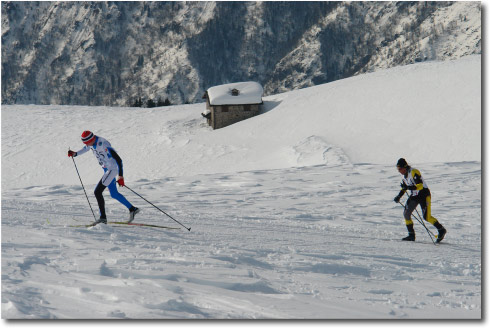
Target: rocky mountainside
110 53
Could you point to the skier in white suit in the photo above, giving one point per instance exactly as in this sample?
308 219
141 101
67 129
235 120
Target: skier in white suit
113 171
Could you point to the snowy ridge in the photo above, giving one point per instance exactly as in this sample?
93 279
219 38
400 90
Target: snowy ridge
291 211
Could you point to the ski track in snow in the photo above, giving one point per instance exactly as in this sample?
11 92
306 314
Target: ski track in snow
311 242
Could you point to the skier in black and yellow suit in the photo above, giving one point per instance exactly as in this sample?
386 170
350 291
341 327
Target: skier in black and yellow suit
420 194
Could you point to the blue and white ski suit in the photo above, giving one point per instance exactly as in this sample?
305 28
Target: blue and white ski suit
112 165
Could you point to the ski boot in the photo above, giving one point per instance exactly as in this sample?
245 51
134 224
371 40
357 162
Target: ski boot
440 235
411 233
410 237
102 219
132 212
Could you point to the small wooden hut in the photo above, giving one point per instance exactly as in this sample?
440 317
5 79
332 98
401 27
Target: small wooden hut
230 103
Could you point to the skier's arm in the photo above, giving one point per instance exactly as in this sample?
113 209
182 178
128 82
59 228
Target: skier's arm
118 160
76 153
400 195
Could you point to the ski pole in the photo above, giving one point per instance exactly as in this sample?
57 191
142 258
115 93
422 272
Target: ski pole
189 229
83 188
420 216
427 229
421 222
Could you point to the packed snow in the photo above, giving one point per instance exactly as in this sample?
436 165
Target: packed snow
247 93
291 212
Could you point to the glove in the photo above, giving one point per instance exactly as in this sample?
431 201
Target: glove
403 185
397 199
120 180
72 153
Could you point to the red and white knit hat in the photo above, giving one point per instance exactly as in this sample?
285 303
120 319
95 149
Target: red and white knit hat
87 137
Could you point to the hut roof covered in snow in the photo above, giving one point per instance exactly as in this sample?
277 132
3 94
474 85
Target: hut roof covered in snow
236 94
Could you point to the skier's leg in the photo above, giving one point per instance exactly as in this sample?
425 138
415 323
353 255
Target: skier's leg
110 179
117 196
100 199
407 213
100 189
426 209
409 208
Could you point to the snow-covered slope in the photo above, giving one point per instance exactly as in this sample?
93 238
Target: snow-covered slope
426 112
291 211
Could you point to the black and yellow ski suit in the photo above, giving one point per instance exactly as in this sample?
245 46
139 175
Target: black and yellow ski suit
420 195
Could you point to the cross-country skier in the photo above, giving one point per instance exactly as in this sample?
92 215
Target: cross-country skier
420 195
113 171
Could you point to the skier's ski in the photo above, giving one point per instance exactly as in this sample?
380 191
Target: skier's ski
143 225
93 224
420 242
